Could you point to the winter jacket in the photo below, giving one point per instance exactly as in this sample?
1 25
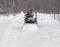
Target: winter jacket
28 14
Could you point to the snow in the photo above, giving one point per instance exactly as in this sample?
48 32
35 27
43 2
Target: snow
30 27
14 33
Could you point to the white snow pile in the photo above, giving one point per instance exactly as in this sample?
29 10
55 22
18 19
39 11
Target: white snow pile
30 27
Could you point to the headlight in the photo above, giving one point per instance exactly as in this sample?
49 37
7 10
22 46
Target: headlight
34 16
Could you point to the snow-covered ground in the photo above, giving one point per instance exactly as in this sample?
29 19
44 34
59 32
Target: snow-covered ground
13 32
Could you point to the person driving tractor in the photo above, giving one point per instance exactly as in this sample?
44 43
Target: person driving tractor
29 13
30 17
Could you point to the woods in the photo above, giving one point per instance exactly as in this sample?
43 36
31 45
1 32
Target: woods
15 6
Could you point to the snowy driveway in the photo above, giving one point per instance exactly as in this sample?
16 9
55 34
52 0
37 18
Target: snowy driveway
14 34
